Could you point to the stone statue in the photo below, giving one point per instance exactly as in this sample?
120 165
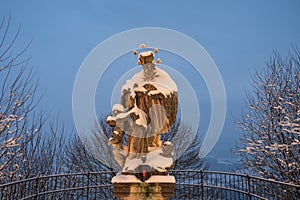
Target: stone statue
148 108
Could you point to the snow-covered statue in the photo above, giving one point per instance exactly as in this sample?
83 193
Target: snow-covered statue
148 109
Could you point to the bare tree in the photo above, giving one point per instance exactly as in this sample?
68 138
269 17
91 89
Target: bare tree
79 157
16 102
270 125
185 157
28 145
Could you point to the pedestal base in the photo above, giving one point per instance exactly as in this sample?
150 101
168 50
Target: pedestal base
127 187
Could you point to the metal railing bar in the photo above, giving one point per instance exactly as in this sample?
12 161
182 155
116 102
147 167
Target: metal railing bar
65 190
18 182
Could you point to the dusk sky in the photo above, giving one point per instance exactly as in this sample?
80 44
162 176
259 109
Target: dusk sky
240 36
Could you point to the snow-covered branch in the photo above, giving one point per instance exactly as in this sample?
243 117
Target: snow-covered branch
271 125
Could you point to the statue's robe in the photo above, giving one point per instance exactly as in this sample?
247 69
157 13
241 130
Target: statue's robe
157 98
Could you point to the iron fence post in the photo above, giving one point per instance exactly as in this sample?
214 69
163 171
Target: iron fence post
201 181
88 186
37 187
248 184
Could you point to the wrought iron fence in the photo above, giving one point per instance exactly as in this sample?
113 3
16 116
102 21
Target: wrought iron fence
190 184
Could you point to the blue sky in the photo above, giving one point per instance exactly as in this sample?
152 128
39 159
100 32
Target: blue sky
240 36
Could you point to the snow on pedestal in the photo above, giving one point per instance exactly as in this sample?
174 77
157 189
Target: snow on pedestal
154 158
121 178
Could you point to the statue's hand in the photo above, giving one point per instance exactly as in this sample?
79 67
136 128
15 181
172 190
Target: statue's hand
111 121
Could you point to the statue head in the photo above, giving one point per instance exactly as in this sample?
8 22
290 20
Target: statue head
146 57
118 108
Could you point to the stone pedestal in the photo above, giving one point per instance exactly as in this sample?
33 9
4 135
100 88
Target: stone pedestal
128 187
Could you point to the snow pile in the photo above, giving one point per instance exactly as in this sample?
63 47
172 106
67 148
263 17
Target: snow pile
161 81
142 116
119 178
154 159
